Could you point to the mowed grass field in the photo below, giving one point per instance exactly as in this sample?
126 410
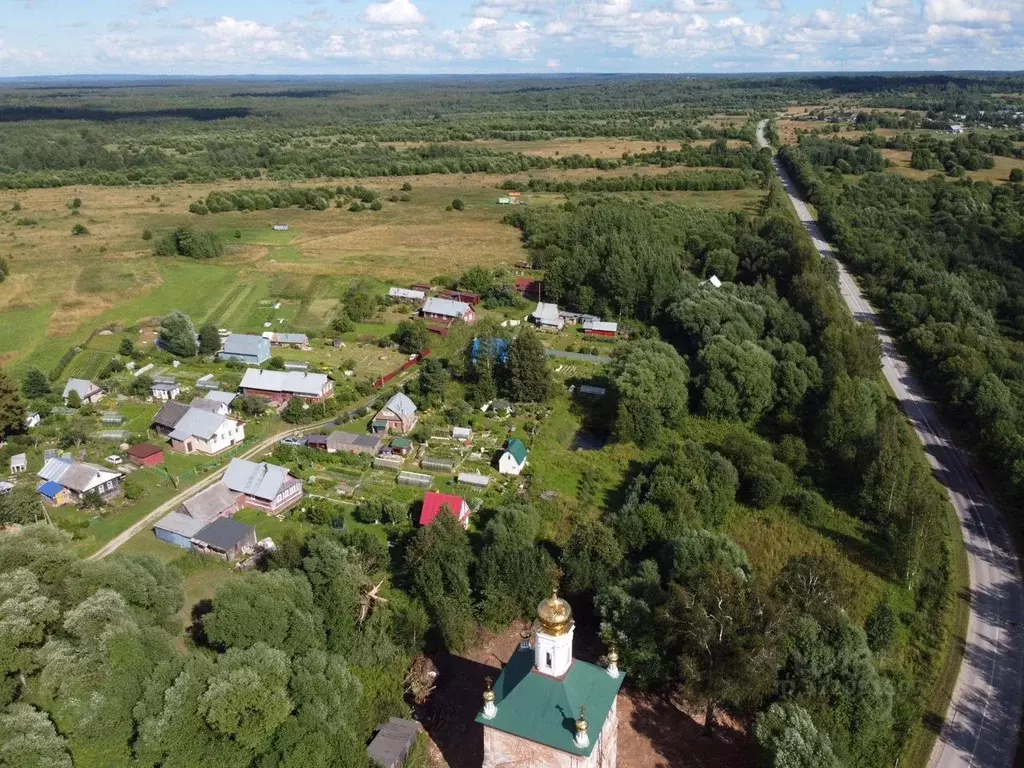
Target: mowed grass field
63 287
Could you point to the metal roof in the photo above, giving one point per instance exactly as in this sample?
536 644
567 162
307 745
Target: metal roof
221 397
406 293
517 450
469 478
83 387
198 422
534 706
546 313
181 524
287 338
402 406
76 475
165 386
261 481
247 346
285 381
393 742
224 534
349 438
50 489
445 307
600 325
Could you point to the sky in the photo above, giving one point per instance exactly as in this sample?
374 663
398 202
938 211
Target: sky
225 37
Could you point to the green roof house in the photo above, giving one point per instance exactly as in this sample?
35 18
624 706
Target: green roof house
549 709
513 460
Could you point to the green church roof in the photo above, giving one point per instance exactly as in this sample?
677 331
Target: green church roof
518 450
544 709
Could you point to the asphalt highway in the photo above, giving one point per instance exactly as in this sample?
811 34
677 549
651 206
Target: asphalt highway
980 726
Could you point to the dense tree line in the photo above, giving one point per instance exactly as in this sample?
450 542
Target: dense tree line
942 262
286 672
705 181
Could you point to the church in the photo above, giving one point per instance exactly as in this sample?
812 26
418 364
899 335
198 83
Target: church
548 709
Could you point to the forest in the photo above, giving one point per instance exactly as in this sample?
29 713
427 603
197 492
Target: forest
942 260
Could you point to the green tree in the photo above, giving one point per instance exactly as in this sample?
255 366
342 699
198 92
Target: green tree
437 565
432 381
35 384
591 558
127 347
649 382
527 374
360 301
21 505
1017 175
412 337
276 363
788 739
190 243
178 335
141 385
209 340
12 407
736 380
74 400
690 555
29 739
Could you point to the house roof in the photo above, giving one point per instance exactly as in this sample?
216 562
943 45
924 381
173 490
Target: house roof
224 534
209 503
402 406
471 478
246 345
349 438
197 422
19 460
83 387
76 475
393 741
600 325
169 416
445 307
434 502
401 442
293 382
517 449
261 481
460 433
143 451
50 489
543 709
546 313
181 524
221 397
406 293
206 404
287 338
165 386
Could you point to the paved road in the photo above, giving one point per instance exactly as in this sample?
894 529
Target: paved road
980 727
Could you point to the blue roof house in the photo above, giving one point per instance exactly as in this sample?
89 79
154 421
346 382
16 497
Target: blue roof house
253 350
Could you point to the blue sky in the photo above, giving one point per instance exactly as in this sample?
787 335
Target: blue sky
42 37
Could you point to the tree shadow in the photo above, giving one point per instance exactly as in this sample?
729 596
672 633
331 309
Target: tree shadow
196 631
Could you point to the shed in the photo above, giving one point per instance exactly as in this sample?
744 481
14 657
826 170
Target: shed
145 455
462 433
401 445
601 328
56 495
406 294
477 481
393 742
225 538
414 479
19 463
5 487
254 350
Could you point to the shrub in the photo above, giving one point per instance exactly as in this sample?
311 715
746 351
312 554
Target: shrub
457 204
407 187
147 234
132 490
1017 175
79 229
190 243
75 204
376 205
357 207
881 627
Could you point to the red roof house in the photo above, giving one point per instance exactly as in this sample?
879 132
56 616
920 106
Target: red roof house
145 455
466 297
434 502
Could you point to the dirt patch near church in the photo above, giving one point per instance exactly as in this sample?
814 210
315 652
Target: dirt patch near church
654 732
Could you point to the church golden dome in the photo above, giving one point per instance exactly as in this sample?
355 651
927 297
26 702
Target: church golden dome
554 615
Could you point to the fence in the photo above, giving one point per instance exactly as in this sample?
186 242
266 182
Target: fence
414 361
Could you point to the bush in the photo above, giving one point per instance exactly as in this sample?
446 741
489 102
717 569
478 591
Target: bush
79 229
404 198
458 205
147 234
407 187
276 363
376 205
190 243
132 490
357 207
75 204
92 500
1017 175
881 627
807 505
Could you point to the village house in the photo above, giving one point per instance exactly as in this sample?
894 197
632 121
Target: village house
529 287
466 297
251 350
448 310
194 430
88 392
398 415
513 460
165 390
80 478
215 402
408 295
713 281
547 318
19 463
225 538
434 503
346 442
287 339
542 686
266 487
32 420
601 328
194 514
281 386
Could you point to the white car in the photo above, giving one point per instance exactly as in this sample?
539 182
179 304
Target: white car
114 460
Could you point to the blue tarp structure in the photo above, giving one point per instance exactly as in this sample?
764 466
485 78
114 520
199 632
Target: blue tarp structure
500 347
50 489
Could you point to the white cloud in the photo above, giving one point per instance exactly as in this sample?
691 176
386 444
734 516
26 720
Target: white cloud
704 6
610 8
553 64
394 13
154 6
964 12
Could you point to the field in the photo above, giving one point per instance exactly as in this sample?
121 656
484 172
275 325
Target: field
997 175
63 287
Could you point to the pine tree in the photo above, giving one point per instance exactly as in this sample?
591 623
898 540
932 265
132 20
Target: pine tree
12 408
528 377
35 384
209 340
